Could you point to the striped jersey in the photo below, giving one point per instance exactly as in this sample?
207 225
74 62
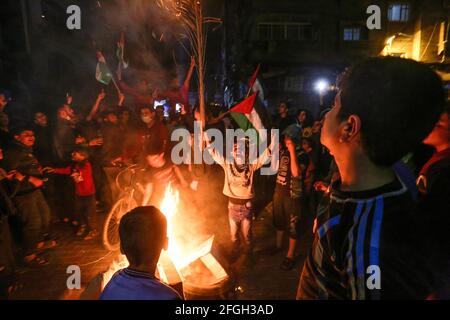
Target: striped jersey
368 245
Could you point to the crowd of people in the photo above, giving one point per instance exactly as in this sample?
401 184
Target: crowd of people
351 176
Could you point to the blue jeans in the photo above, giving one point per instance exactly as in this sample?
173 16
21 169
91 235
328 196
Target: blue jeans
241 220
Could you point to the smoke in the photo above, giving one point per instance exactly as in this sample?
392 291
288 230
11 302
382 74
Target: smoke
150 39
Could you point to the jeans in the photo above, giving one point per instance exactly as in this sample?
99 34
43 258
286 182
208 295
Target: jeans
240 217
34 215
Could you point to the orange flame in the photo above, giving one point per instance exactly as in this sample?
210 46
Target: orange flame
169 207
179 252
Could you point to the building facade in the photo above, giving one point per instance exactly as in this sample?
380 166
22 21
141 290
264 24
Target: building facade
297 42
300 42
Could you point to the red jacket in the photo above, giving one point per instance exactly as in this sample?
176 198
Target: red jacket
85 186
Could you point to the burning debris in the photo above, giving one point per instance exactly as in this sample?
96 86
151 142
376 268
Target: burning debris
190 267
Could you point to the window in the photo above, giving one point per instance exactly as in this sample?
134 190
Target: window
293 33
264 32
294 84
352 34
285 31
278 32
399 12
306 32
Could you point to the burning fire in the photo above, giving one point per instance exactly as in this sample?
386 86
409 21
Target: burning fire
178 250
173 265
169 207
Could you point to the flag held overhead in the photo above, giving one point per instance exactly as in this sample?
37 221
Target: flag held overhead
254 77
102 73
246 116
120 52
245 106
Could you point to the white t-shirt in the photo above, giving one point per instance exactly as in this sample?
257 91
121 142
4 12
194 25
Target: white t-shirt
239 179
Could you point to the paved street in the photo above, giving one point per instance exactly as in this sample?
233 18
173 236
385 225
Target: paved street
262 280
265 280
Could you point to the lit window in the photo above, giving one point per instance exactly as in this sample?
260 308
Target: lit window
352 34
399 12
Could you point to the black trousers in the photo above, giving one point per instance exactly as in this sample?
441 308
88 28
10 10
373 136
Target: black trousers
104 194
34 215
6 258
64 199
85 210
287 214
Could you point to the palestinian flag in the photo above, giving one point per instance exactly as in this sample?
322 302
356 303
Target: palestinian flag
246 115
261 103
254 77
257 87
102 73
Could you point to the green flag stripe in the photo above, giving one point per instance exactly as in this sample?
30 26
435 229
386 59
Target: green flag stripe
245 124
103 74
242 121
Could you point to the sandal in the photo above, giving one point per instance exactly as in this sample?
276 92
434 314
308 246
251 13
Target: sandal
47 245
81 231
91 235
36 262
287 264
15 287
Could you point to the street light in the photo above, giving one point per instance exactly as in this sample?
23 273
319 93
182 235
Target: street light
321 86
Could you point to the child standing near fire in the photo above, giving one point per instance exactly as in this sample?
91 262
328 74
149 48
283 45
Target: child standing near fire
81 172
238 187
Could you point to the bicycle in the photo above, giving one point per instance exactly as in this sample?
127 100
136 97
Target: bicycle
132 192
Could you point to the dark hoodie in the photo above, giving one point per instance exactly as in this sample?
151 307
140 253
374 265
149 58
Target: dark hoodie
21 158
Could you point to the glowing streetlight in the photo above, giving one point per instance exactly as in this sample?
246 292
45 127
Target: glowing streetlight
321 86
